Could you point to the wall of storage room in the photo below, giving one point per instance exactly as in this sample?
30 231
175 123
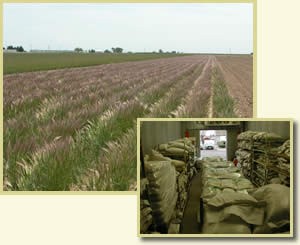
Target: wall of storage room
278 127
154 133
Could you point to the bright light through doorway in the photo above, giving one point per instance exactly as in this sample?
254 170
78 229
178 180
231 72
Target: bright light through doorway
213 143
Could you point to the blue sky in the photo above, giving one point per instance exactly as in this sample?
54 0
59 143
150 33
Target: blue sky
212 28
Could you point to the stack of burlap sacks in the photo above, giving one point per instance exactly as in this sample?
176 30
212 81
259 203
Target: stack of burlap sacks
182 149
233 206
166 191
266 142
276 211
222 185
168 183
145 207
222 176
249 140
244 151
282 163
162 192
285 148
182 184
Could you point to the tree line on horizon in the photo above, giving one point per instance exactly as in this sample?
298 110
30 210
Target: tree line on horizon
115 50
17 48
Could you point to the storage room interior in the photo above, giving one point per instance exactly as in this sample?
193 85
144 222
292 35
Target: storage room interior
215 177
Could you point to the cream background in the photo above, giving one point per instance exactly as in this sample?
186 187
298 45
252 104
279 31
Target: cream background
113 219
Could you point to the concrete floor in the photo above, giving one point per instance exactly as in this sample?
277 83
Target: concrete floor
217 152
189 223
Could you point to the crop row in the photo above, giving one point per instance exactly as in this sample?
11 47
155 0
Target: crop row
59 126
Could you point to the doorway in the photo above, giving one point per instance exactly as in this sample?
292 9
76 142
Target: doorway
213 143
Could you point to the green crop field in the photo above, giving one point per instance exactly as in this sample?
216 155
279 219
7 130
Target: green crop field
75 129
25 62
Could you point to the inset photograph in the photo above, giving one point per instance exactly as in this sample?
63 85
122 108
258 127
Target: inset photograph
215 178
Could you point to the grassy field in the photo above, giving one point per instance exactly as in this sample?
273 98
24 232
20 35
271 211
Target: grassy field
25 62
75 129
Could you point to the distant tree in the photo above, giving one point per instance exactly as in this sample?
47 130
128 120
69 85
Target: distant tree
20 49
160 51
3 48
129 52
117 50
107 51
78 50
17 48
251 53
173 52
92 51
153 52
